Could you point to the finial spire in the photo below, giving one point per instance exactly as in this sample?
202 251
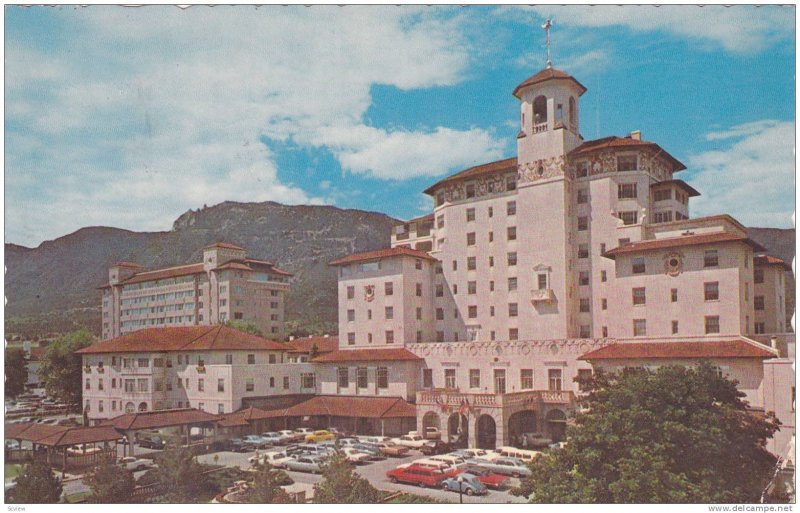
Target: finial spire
547 25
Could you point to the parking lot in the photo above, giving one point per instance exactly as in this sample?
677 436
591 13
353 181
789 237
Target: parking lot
375 473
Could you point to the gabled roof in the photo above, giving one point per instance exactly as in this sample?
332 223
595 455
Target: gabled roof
168 272
185 338
224 245
160 418
81 435
32 432
614 142
368 355
691 191
500 166
771 260
361 406
681 241
382 253
304 345
545 75
428 218
244 416
735 348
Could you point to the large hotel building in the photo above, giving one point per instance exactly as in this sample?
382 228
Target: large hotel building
529 273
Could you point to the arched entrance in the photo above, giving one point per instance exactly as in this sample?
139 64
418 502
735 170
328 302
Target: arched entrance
142 406
556 424
521 427
486 430
458 429
431 421
130 408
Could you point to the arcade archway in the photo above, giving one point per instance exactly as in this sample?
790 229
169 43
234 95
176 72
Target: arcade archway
458 429
556 424
431 420
486 429
521 426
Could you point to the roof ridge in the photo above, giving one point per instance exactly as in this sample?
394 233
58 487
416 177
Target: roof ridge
203 334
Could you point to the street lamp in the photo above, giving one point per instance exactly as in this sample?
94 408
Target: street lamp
460 480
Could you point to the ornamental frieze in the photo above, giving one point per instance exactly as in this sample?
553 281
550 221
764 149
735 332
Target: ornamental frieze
541 169
483 186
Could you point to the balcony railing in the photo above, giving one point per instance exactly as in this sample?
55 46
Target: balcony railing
541 127
456 398
541 295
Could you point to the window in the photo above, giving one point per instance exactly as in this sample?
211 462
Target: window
583 223
674 327
470 214
382 377
474 378
583 196
471 263
130 385
513 334
286 382
759 328
351 338
472 287
583 278
449 378
626 163
511 208
419 289
542 281
389 313
603 276
583 251
712 324
758 276
604 304
113 383
638 266
427 378
439 198
343 377
629 217
251 359
143 362
526 379
513 310
455 265
554 379
639 327
419 337
491 311
499 381
511 182
711 290
662 217
220 385
710 258
512 258
662 195
491 261
249 385
584 375
584 305
511 233
605 331
390 336
440 221
639 296
471 239
472 311
361 377
439 290
388 288
470 190
419 313
418 264
512 284
582 169
626 191
585 331
308 380
673 295
273 358
351 292
158 386
228 359
88 384
439 314
758 302
201 386
491 236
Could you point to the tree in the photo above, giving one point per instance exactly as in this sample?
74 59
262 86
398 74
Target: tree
675 435
247 327
16 366
266 487
179 474
110 483
36 485
341 485
60 372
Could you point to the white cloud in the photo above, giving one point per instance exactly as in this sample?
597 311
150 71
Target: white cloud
738 28
144 113
752 178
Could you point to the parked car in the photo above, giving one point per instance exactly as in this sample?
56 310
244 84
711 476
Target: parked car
390 449
419 475
77 450
525 455
12 445
238 445
355 456
537 439
338 432
486 476
134 464
291 436
471 453
435 447
275 458
348 442
320 436
433 433
150 440
412 441
373 439
69 421
303 433
373 450
304 463
273 438
449 460
466 483
506 466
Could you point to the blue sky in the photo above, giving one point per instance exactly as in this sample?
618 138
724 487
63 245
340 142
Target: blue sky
128 117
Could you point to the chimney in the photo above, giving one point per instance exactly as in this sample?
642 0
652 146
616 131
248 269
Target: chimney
291 337
636 135
773 342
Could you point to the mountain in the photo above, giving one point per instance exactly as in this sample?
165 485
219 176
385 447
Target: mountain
53 288
780 242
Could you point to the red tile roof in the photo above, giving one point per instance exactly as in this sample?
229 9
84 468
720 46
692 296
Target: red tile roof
224 245
691 191
81 435
129 264
684 240
32 432
160 418
352 406
368 355
428 218
168 272
187 338
382 253
737 348
304 345
771 260
244 416
545 75
614 142
500 166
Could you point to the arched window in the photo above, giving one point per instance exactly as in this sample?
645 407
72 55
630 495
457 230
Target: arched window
539 110
142 406
571 113
129 408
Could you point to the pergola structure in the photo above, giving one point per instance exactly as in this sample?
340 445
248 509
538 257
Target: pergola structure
183 418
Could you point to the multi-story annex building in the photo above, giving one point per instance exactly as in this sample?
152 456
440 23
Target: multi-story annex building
225 286
530 272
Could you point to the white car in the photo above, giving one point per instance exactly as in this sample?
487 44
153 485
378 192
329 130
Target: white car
275 458
373 439
133 464
412 441
355 456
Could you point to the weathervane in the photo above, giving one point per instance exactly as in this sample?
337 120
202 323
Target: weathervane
547 25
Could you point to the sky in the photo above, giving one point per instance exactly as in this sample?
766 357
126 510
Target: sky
130 116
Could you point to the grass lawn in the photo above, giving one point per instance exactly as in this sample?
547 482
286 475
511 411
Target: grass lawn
11 470
77 497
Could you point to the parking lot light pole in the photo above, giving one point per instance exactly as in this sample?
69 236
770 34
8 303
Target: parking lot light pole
460 480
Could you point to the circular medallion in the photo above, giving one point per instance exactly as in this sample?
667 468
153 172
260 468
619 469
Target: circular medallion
673 264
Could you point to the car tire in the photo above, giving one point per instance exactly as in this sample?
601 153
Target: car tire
515 474
470 492
445 487
393 480
421 484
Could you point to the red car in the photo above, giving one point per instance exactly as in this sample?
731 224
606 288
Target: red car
420 476
487 477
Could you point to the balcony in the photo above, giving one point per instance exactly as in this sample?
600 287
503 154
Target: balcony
542 295
539 128
444 397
